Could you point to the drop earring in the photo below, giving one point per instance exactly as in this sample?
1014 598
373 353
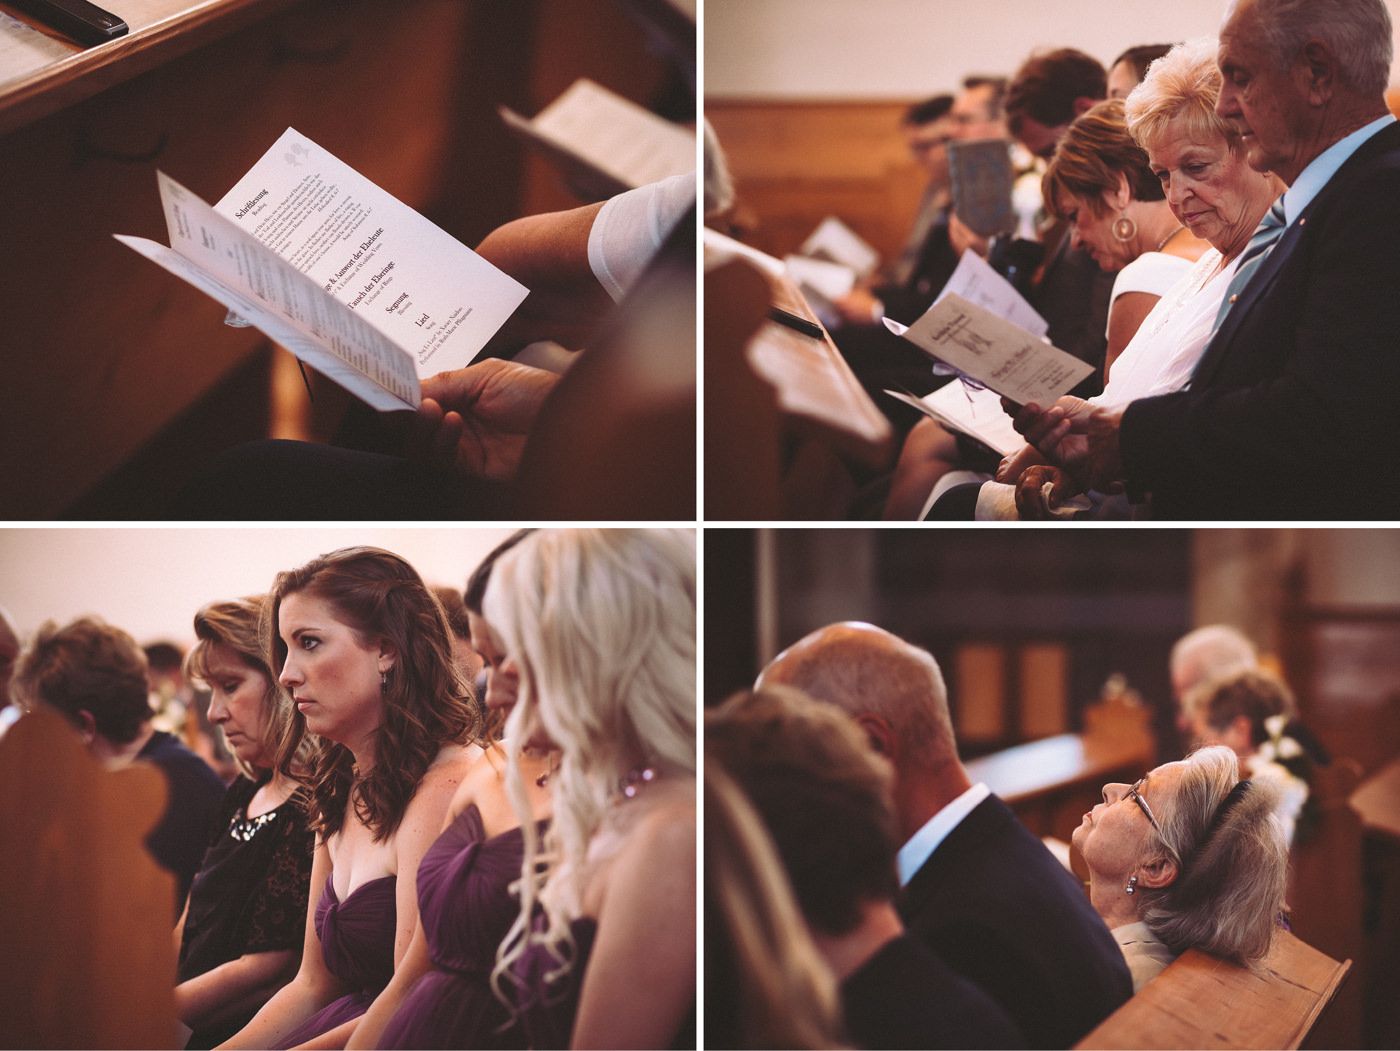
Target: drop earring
384 682
1132 885
1124 229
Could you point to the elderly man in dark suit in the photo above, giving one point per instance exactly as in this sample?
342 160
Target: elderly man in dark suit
978 887
1296 392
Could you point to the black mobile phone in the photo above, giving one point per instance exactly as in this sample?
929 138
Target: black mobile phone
84 22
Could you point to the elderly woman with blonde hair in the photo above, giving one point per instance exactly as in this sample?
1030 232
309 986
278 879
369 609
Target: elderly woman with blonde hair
1198 159
1188 857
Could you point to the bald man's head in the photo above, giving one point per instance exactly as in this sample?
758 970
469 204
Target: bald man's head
1208 653
866 671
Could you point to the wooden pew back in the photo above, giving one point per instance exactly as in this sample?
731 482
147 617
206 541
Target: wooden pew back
1201 1001
88 957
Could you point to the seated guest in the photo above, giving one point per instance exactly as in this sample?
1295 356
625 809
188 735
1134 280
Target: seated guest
468 660
441 995
910 282
1203 167
460 455
1188 857
978 887
878 357
1301 376
94 675
601 626
765 983
241 935
1051 89
825 799
363 647
1204 653
1129 69
1103 186
1253 713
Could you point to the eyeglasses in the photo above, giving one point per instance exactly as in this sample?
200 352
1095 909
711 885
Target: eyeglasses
1135 794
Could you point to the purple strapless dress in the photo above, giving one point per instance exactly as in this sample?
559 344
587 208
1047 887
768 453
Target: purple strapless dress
357 943
466 909
548 1009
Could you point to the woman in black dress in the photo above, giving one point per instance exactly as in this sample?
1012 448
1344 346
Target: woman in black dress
241 934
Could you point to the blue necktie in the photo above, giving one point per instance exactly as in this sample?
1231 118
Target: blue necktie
1260 242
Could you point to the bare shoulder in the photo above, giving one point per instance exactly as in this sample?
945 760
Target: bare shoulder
449 768
482 773
438 785
667 827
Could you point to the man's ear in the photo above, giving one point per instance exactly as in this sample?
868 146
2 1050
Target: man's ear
1320 66
879 733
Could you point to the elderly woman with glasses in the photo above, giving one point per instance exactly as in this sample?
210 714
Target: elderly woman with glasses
1188 856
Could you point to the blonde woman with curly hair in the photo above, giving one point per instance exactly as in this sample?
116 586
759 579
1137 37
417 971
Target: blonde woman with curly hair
601 626
364 648
1189 856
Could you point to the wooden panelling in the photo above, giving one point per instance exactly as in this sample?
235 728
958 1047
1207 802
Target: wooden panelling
1044 690
980 693
795 163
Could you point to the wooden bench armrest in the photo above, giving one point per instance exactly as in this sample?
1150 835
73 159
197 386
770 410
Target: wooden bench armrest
1201 1001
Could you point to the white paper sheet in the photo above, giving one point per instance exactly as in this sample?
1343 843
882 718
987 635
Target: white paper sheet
218 258
630 143
993 351
833 241
404 275
976 281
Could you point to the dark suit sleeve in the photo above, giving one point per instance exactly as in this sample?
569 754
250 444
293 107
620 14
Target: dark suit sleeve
1309 382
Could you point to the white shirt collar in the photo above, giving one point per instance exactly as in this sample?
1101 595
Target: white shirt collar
1325 165
924 842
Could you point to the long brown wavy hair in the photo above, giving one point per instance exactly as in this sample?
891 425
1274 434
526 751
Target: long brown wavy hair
427 704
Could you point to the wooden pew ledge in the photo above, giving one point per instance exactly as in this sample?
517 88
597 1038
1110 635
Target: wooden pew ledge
1201 1001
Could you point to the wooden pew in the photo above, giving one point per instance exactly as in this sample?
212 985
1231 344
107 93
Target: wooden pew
1377 802
86 953
1201 1001
827 423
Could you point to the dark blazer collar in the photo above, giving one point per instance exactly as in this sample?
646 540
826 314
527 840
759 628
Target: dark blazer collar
1382 142
986 819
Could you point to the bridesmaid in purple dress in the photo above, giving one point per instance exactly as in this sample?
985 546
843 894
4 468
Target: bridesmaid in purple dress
601 624
364 648
441 995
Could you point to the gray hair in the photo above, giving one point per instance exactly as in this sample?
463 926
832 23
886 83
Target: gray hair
1212 651
1358 31
1233 870
1182 85
865 670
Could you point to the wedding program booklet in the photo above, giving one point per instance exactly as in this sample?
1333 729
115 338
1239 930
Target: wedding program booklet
341 273
603 142
994 352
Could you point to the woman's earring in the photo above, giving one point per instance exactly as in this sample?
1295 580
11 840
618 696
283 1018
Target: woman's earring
1132 885
384 682
1124 228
